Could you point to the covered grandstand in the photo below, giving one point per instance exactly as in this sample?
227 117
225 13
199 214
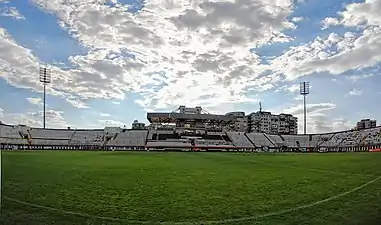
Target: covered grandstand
23 137
185 129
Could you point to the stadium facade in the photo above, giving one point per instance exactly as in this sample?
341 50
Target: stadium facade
190 129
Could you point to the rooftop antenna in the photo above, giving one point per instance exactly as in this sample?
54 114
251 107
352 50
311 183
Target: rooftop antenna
260 106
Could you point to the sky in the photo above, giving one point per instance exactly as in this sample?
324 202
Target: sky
112 61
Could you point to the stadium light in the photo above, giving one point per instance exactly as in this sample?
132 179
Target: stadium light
45 78
305 90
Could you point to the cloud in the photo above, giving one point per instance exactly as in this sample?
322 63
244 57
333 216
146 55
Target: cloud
311 108
293 88
17 63
355 92
326 124
76 103
297 19
11 12
318 118
174 52
54 119
328 22
361 14
171 46
104 114
355 78
337 54
111 123
115 103
298 98
34 101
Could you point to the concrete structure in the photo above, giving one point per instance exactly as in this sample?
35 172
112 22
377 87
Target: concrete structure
365 124
191 118
260 121
138 126
115 138
184 110
268 123
241 122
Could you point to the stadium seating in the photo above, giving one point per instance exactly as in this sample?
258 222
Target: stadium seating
13 134
315 140
87 137
373 137
49 142
354 138
260 140
168 144
239 139
296 141
19 135
276 139
39 133
130 138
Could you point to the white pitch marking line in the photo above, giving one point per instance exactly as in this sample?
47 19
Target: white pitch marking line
199 222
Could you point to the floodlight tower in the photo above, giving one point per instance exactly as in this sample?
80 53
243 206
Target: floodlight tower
305 90
45 78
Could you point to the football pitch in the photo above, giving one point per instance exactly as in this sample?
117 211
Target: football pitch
58 187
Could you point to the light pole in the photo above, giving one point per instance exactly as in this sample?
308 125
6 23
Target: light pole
45 78
305 90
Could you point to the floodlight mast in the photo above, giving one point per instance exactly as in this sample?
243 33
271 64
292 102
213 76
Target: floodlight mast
305 90
45 78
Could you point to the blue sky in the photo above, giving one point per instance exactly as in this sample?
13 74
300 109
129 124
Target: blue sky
112 61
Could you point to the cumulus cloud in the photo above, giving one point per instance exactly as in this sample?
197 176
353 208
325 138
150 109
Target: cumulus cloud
293 88
19 66
34 101
11 12
328 22
297 19
311 108
362 14
111 123
325 124
178 52
355 92
337 54
318 118
54 118
174 43
355 78
76 103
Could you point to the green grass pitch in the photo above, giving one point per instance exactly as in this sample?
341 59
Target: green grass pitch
58 187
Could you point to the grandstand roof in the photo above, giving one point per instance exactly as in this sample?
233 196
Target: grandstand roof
175 117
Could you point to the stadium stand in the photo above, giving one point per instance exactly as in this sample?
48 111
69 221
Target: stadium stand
87 137
39 133
260 140
129 138
296 141
239 139
49 137
23 137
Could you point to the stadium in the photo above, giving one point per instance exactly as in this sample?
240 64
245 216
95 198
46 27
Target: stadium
190 130
139 176
73 73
